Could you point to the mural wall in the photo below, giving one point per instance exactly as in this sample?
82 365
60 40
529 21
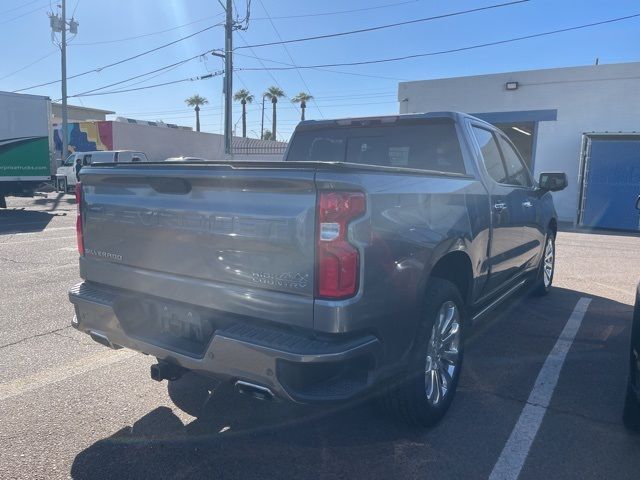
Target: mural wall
85 136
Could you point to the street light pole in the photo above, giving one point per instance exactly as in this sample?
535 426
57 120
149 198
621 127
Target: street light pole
228 78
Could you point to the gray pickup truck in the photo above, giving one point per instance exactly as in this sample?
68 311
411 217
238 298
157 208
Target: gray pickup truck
353 267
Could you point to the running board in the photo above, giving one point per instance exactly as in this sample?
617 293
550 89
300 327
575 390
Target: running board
498 300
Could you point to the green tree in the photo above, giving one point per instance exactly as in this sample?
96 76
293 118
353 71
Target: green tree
195 101
273 94
267 135
302 98
243 96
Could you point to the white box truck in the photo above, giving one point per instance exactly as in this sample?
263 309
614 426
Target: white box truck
25 144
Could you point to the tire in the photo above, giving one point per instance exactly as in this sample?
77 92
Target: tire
414 398
544 279
631 414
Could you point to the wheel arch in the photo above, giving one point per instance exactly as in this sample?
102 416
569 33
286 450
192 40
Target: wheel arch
456 267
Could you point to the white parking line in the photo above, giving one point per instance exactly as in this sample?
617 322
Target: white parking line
17 233
47 239
54 375
517 448
44 269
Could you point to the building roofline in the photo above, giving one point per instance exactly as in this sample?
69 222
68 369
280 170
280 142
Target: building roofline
86 109
582 68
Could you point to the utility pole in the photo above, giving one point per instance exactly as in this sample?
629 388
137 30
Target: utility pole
228 78
63 56
59 25
262 121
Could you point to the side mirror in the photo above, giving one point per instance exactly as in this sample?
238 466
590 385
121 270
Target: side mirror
638 203
553 181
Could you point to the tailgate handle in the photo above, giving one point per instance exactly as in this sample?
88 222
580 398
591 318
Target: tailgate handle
174 186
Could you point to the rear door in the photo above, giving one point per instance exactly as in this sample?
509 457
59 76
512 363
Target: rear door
505 249
238 240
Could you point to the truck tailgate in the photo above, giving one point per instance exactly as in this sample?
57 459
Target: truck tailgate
237 240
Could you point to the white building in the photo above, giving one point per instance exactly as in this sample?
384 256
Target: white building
544 112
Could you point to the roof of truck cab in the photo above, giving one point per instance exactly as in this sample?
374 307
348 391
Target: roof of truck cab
453 115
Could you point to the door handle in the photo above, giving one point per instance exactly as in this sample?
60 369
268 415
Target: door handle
499 207
527 204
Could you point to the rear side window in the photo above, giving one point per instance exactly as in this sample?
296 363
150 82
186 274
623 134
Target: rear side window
426 146
490 154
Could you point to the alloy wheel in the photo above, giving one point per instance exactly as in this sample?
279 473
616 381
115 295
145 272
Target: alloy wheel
443 353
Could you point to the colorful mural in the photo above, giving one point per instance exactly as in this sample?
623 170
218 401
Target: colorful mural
85 136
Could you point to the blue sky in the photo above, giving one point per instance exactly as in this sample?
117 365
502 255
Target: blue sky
26 37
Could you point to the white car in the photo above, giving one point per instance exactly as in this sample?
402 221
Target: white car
66 174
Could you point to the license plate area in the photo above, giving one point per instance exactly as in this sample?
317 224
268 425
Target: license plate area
174 326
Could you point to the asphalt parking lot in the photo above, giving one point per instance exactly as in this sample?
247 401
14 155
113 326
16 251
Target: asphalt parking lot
72 408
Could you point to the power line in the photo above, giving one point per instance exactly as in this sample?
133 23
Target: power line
19 7
181 62
291 58
340 12
452 50
104 67
24 14
74 9
342 72
135 37
259 60
146 87
29 65
389 25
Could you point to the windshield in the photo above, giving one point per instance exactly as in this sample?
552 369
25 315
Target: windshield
337 239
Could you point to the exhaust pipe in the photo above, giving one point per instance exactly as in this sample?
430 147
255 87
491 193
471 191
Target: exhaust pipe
101 339
166 371
256 391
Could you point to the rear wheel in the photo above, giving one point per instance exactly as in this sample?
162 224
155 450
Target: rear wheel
544 278
425 392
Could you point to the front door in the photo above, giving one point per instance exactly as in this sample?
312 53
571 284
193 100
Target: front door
506 243
526 200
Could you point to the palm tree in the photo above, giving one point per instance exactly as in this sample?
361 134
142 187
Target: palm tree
273 94
243 96
302 98
195 101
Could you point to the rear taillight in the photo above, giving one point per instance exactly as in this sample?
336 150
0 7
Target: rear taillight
79 233
338 260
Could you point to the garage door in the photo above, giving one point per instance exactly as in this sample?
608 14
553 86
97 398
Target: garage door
611 182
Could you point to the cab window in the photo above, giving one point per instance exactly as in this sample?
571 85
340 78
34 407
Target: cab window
490 154
517 172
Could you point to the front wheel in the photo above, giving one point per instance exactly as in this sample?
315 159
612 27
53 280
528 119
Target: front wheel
424 393
544 277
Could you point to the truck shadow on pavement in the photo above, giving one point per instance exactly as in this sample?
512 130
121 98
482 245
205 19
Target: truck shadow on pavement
59 200
20 220
239 437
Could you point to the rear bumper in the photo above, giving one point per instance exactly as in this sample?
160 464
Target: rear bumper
292 365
